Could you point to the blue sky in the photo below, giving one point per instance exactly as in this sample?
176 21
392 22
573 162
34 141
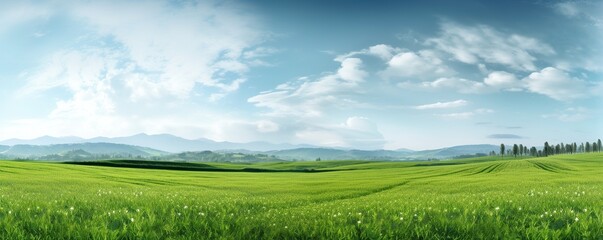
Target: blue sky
357 74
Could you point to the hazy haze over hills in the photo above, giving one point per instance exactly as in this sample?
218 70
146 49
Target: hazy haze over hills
163 142
162 145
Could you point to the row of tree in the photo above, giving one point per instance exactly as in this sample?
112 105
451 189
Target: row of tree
549 149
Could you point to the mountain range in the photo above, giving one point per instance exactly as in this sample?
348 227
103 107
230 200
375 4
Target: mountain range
98 149
166 147
163 142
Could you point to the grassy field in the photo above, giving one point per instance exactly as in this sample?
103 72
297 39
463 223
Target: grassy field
559 197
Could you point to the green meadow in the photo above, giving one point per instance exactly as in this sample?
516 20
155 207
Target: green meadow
558 197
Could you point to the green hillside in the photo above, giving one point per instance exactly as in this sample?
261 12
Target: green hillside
90 150
559 197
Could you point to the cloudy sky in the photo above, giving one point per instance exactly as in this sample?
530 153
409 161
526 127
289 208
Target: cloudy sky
358 74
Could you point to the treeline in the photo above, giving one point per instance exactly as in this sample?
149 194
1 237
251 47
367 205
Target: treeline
550 149
204 156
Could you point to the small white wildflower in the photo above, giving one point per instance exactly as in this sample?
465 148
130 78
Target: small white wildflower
359 222
131 219
497 208
576 219
71 208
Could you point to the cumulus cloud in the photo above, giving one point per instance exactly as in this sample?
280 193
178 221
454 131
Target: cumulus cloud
308 97
153 62
351 70
179 63
129 66
483 44
502 80
383 51
556 84
442 105
421 64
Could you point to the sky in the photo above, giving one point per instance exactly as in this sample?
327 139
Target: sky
353 74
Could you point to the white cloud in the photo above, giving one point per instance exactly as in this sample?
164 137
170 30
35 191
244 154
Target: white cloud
588 12
460 85
156 63
502 80
385 52
479 44
569 9
556 84
443 105
422 64
382 51
303 108
351 70
130 70
361 124
307 97
464 115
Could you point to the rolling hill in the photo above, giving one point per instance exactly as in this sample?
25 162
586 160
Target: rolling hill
144 146
109 149
404 154
163 142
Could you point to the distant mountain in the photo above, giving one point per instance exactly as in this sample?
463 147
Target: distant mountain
404 154
3 148
174 144
45 140
336 154
144 145
108 149
450 152
163 142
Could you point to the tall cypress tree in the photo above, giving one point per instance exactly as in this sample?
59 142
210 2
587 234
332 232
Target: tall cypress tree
502 150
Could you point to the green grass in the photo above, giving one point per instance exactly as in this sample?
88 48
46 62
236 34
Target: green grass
559 197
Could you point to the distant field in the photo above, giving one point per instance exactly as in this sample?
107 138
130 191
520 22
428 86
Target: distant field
559 197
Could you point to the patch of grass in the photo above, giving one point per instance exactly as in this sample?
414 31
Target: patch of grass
559 197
